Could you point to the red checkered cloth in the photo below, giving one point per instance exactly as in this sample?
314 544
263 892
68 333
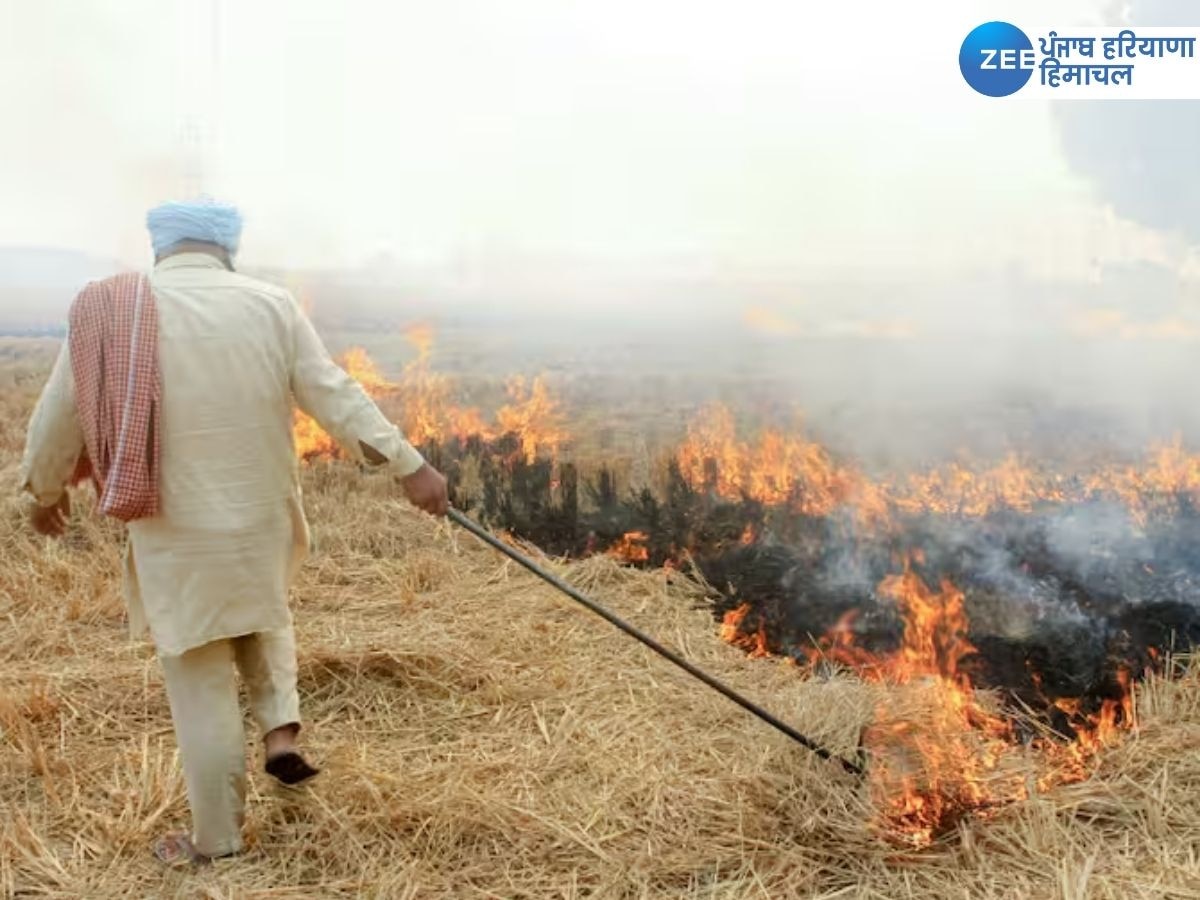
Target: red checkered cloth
118 392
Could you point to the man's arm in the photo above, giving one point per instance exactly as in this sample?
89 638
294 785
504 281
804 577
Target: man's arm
55 438
340 405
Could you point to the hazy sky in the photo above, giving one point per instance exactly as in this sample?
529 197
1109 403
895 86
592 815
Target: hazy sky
744 133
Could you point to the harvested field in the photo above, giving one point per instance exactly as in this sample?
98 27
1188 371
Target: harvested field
483 737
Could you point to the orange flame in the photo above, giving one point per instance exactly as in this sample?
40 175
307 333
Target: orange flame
778 468
941 750
631 548
934 773
955 752
731 632
430 414
310 439
533 415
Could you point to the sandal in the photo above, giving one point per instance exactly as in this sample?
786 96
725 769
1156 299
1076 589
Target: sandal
290 768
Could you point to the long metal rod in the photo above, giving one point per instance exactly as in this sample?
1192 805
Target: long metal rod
750 706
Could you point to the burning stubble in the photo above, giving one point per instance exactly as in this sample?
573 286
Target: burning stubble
1009 607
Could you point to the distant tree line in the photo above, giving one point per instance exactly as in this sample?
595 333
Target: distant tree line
44 331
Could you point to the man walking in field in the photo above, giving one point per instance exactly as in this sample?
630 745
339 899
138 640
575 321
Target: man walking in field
174 392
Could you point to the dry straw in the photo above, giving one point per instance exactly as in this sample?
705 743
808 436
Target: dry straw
484 737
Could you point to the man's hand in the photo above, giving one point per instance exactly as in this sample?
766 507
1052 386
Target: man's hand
426 490
51 521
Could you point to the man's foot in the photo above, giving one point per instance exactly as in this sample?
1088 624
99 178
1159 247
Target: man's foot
178 852
290 767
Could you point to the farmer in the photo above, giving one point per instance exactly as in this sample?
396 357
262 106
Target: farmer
174 393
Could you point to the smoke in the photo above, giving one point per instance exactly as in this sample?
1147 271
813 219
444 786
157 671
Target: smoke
1140 156
1084 538
1059 599
1017 362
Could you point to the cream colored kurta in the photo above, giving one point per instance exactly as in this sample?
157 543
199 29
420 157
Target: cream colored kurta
233 352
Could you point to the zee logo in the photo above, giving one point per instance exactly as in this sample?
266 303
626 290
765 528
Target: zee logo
1004 60
997 59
